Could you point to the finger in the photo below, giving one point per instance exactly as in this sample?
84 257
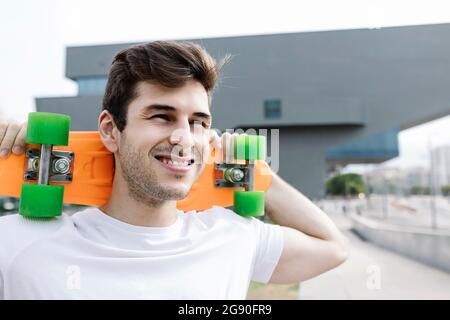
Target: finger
228 143
8 139
214 138
19 143
226 147
3 127
233 140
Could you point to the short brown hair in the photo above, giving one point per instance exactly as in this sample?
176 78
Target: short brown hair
169 63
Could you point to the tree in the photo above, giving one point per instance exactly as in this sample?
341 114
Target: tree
446 190
345 184
416 190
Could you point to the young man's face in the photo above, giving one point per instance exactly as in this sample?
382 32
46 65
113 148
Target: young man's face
164 124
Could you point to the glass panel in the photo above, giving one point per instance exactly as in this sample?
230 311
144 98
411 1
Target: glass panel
272 109
91 86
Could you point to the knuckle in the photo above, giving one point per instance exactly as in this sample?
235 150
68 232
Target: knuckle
20 144
15 126
6 145
24 126
7 141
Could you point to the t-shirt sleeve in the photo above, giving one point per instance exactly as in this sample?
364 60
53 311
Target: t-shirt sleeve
16 233
269 246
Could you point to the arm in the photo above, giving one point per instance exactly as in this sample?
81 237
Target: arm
312 242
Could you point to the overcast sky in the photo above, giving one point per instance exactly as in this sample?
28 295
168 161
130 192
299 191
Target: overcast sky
34 34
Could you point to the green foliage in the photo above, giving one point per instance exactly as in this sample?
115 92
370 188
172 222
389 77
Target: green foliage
445 190
345 184
415 190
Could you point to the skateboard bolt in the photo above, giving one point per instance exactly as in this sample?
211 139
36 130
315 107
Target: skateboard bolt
234 175
61 166
237 174
35 164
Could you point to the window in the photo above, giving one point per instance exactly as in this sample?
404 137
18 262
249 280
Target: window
272 109
91 86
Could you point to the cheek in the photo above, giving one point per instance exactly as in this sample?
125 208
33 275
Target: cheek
143 127
145 139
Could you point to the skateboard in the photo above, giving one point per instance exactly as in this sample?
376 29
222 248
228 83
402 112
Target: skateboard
74 167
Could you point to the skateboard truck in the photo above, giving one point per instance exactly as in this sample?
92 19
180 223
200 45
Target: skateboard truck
47 165
236 175
41 199
246 202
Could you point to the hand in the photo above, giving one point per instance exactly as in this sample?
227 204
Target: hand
224 143
12 137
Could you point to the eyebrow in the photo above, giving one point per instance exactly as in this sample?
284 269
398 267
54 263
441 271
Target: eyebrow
165 107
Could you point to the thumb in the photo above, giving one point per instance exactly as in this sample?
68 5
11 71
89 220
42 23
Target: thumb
215 139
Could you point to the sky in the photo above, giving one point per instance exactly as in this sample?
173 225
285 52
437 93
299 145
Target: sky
35 33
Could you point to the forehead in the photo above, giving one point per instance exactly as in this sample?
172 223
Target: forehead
191 97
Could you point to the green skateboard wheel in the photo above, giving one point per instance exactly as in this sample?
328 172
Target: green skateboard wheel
250 147
249 203
48 128
41 201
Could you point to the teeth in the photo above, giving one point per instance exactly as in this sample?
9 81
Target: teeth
175 163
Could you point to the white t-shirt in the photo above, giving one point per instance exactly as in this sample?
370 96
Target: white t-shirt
211 254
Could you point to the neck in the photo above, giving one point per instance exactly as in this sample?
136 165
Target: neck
123 207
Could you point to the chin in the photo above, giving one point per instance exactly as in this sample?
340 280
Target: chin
180 190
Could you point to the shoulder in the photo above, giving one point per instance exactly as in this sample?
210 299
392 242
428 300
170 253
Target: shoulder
17 226
217 215
17 232
222 213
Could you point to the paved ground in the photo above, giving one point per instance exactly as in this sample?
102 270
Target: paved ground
372 272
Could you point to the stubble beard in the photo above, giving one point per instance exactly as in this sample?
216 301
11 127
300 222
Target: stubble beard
142 179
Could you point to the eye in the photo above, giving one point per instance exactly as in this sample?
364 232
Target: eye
203 123
161 116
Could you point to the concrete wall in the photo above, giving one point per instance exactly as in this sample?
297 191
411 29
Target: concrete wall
84 111
424 245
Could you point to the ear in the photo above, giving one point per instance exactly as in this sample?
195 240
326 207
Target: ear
109 133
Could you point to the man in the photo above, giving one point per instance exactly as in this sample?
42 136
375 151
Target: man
139 245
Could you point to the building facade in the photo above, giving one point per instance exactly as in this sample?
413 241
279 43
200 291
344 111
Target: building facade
336 97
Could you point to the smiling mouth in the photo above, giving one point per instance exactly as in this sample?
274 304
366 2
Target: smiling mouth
175 163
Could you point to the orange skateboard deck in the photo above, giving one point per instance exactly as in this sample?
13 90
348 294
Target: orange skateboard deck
93 172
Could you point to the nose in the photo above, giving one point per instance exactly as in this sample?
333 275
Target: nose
183 139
